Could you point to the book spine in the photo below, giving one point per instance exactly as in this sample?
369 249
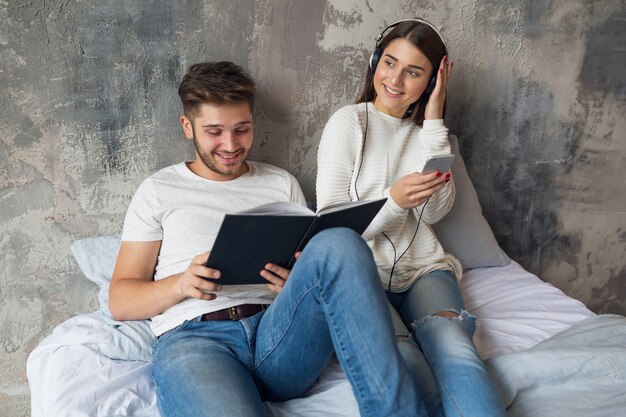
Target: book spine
305 239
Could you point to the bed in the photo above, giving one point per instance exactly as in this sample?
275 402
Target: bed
548 354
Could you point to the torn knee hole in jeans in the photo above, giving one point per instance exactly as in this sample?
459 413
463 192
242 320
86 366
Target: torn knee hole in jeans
447 313
451 314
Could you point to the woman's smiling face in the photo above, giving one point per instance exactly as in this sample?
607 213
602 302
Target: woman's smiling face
402 75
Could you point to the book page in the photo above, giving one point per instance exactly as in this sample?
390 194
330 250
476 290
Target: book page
342 205
244 291
279 208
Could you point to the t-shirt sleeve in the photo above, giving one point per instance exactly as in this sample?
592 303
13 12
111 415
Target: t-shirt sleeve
141 222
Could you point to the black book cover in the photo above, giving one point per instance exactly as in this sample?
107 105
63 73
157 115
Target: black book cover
248 240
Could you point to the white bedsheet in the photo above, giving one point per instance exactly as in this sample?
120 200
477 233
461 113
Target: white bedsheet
515 309
69 375
580 371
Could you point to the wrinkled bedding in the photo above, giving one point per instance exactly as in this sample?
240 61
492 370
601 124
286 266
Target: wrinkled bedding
77 370
580 371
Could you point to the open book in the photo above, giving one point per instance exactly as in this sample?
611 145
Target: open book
274 232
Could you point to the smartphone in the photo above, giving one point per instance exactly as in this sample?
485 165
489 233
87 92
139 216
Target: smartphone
440 163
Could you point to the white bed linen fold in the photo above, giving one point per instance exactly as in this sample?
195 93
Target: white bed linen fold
70 375
515 309
580 371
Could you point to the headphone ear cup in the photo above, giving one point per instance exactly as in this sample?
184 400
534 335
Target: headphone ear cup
431 84
374 58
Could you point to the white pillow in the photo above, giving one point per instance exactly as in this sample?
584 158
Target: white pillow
464 231
96 257
130 340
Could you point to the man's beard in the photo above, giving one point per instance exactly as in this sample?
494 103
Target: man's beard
209 161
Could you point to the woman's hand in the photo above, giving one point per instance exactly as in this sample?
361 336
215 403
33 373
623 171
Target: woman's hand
434 107
277 275
414 189
192 282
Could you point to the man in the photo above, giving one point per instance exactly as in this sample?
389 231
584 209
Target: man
223 355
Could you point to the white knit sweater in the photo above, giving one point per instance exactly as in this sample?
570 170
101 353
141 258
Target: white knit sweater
393 148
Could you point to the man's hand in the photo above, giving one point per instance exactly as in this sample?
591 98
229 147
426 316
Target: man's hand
192 282
414 189
277 275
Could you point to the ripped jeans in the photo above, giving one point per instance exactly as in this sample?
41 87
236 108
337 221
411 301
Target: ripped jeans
452 379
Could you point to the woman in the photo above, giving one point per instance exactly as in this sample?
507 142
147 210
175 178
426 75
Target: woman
374 148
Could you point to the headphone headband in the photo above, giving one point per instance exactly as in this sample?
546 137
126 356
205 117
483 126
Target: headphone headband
417 19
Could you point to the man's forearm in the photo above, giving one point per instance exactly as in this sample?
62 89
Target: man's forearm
138 299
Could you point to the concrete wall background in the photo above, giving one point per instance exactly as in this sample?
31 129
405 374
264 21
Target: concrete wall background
88 108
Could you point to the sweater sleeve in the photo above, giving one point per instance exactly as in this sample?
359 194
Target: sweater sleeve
296 194
390 216
336 157
434 139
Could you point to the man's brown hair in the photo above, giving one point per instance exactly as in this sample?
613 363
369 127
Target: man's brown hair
215 83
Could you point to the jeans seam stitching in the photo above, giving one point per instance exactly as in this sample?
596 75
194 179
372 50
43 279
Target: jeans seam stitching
346 358
281 337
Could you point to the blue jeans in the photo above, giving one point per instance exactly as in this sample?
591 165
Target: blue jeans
332 302
452 378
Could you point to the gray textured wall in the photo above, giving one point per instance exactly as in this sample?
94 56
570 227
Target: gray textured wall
88 109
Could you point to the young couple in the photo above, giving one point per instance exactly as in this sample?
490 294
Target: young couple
224 356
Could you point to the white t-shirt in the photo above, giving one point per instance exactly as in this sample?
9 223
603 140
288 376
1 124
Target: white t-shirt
347 166
185 211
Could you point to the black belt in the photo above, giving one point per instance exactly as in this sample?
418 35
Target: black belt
234 313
